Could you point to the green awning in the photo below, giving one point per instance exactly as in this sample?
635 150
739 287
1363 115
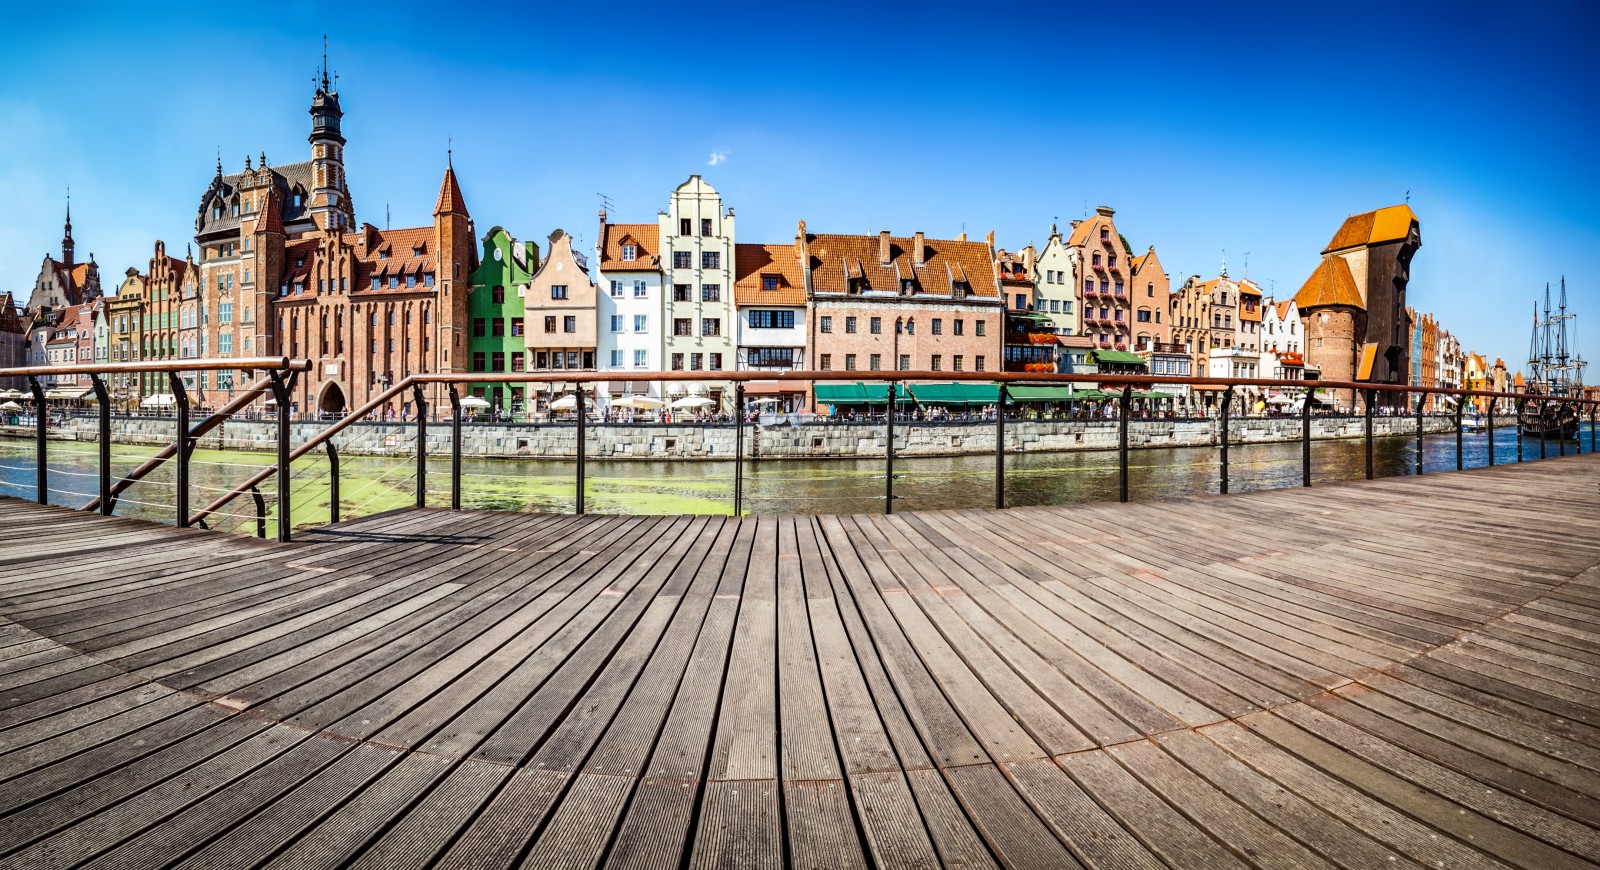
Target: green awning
1155 394
859 394
956 394
1117 356
1034 393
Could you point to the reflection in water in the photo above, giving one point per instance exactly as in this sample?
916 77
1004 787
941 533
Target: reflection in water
371 484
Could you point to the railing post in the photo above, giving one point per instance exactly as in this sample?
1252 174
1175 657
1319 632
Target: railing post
738 449
1543 406
1000 449
1227 407
455 448
1491 431
280 391
1461 460
1593 410
181 396
41 425
333 481
1420 400
888 455
1123 403
582 437
1370 395
1521 405
102 396
1561 436
421 402
261 513
1305 439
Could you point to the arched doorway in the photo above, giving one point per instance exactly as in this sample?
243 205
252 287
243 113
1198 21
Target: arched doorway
332 402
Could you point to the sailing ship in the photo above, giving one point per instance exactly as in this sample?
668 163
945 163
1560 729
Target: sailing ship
1555 370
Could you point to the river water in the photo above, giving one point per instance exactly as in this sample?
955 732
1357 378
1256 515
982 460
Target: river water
371 484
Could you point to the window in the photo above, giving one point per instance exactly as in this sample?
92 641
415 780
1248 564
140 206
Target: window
682 260
478 326
936 363
1144 315
849 362
516 326
681 326
956 363
616 359
630 253
497 295
760 319
850 323
1022 302
715 362
710 259
1149 289
905 362
641 323
641 358
697 361
875 325
377 283
680 293
705 226
225 342
497 361
638 289
875 362
616 289
938 326
977 329
711 326
516 361
958 327
427 279
550 324
825 362
478 361
769 282
497 326
710 292
1088 286
825 324
977 363
616 326
558 291
569 323
684 226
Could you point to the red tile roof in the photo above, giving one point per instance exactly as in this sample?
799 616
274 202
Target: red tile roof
1373 227
645 237
754 263
1331 284
450 201
836 258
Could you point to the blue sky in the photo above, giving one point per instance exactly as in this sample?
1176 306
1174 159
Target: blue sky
1254 127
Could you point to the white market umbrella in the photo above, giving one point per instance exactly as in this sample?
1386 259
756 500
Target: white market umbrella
693 402
474 402
1281 400
10 406
644 402
767 401
159 400
10 394
568 402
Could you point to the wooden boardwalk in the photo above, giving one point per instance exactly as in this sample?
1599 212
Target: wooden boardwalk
1390 674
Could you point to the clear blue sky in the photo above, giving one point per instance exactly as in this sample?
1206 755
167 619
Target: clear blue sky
1257 128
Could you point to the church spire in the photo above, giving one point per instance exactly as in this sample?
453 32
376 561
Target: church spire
66 235
325 63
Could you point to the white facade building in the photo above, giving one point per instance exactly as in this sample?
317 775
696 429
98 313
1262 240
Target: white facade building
1055 292
697 262
629 309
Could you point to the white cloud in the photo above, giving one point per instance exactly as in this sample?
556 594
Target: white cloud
718 157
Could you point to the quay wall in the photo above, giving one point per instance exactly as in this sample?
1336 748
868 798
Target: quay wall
805 441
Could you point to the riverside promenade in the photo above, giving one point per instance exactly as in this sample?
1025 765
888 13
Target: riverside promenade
1397 673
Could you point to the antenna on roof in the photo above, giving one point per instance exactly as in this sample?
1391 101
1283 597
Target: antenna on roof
605 202
1408 196
449 151
386 217
1247 264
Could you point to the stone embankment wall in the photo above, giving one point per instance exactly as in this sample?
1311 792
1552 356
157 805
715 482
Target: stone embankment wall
809 441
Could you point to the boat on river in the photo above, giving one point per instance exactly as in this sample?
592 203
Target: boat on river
1555 371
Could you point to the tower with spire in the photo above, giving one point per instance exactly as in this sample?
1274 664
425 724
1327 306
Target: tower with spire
66 237
330 204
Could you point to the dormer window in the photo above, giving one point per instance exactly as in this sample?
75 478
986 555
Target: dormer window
960 289
383 254
299 262
769 282
235 209
858 285
908 286
630 253
297 200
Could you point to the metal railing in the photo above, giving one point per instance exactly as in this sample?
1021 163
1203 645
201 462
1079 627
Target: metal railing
281 372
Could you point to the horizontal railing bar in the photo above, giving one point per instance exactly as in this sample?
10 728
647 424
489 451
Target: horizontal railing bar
252 363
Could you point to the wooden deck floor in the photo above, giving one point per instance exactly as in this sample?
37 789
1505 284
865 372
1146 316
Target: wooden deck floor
1399 673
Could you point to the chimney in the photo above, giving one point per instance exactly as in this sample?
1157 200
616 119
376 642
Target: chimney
883 247
800 244
989 239
1075 223
600 237
962 237
1027 259
920 250
1104 210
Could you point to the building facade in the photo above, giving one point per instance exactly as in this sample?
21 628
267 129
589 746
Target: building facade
560 307
769 293
630 310
1102 269
696 235
495 305
1054 286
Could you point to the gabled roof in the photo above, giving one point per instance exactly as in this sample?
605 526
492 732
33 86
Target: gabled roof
1283 308
645 237
752 263
836 258
1374 227
1331 284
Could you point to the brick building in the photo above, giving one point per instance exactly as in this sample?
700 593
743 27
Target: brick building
886 303
64 282
1150 292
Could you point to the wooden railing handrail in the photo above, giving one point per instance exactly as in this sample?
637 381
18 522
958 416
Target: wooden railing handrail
253 363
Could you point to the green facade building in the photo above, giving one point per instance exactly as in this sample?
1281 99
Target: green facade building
497 325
